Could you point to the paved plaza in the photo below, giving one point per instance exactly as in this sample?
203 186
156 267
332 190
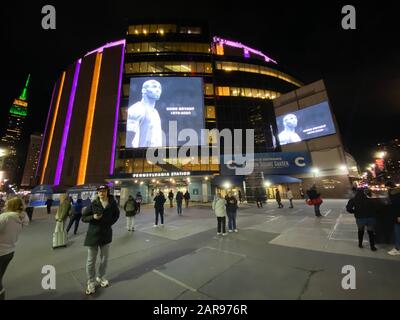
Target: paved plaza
277 254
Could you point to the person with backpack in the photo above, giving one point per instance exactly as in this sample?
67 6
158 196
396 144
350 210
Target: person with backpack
76 215
130 212
364 211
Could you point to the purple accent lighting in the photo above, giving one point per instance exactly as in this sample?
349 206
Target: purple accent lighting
246 49
112 163
108 45
45 129
67 124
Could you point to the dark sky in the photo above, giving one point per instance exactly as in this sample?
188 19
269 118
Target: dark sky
361 67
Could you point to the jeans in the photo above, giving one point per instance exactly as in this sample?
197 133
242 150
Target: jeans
397 235
159 211
179 206
187 203
91 261
130 222
75 218
48 209
291 203
316 209
221 224
232 220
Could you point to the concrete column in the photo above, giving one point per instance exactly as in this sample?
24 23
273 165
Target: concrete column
204 190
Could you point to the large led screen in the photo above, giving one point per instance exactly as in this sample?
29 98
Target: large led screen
308 123
154 102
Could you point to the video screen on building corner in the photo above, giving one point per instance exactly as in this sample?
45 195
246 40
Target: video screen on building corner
154 102
305 124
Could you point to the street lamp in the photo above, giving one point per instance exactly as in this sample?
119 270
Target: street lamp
267 184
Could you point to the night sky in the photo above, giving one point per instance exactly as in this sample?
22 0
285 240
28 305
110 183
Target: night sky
361 67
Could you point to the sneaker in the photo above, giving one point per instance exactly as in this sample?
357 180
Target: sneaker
229 230
218 233
236 230
225 234
91 288
102 282
155 226
394 252
374 248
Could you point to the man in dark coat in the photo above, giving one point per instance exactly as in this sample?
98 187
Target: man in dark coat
179 199
101 215
159 201
278 198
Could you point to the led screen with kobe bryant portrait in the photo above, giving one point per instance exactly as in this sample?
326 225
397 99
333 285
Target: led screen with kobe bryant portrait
305 124
156 101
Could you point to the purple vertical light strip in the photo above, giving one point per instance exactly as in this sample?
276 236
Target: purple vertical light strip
45 129
67 124
113 151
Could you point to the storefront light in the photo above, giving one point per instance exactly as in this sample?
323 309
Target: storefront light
267 184
226 185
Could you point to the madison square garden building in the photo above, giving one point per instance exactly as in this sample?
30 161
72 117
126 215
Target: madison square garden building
101 119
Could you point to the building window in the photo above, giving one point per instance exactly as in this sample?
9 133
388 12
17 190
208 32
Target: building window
148 47
246 67
165 67
210 112
208 89
247 92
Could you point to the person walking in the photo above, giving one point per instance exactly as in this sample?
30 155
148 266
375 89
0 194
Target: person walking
76 215
231 210
179 199
102 213
314 198
258 197
171 198
130 212
278 198
138 200
365 213
219 207
186 196
28 208
394 197
159 201
302 195
49 203
290 197
63 211
12 222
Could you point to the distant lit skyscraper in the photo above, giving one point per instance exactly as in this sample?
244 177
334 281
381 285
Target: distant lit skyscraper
28 178
13 135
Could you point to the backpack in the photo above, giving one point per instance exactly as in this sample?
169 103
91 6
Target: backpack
130 206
